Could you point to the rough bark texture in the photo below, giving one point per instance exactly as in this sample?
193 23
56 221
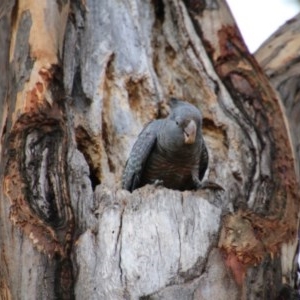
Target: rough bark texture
279 57
79 80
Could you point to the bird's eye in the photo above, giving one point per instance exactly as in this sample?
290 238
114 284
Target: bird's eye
177 123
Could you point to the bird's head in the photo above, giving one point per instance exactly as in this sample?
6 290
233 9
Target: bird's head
184 123
188 128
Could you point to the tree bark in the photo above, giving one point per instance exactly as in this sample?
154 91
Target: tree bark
80 79
279 57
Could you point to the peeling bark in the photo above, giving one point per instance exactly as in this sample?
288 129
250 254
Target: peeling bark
279 57
272 191
81 80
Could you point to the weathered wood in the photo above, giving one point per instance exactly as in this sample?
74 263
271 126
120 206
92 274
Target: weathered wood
279 57
82 79
144 242
35 206
258 111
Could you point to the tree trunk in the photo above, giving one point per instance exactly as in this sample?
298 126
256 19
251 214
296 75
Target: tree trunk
79 81
279 57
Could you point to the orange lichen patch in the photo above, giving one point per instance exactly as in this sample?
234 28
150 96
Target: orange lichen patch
35 94
246 238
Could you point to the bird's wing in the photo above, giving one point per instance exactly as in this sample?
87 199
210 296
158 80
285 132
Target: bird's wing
139 155
203 163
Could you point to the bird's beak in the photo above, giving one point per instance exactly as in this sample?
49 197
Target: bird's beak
190 132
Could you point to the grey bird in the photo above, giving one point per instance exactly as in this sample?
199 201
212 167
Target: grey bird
170 152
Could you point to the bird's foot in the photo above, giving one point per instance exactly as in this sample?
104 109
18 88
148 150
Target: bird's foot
158 182
209 185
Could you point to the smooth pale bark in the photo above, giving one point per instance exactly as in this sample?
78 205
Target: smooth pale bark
81 79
